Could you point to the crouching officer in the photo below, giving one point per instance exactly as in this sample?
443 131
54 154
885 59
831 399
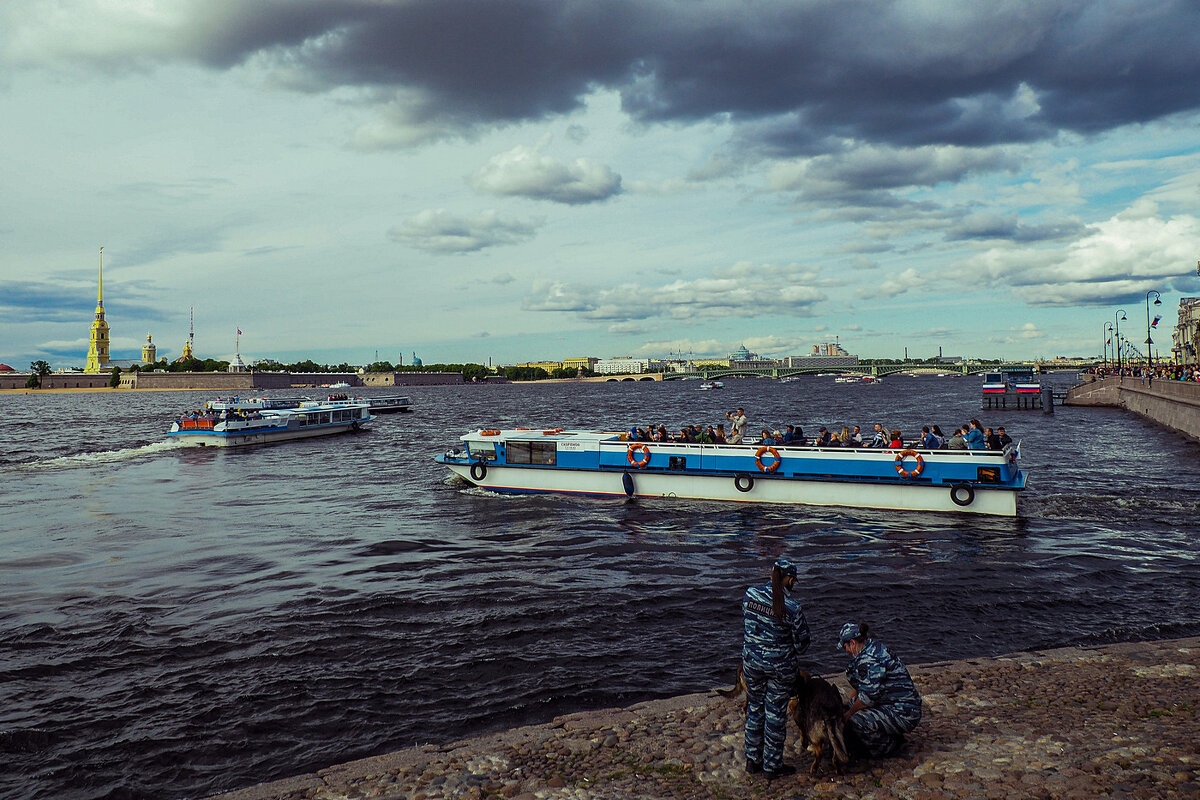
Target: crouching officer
776 633
884 704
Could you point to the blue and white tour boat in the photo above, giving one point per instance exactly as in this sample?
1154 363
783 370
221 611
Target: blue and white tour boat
609 464
241 422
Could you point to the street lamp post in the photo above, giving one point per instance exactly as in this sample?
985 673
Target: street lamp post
1105 340
1149 341
1117 341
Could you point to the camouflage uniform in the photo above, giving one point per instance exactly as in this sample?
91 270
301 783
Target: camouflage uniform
769 664
893 702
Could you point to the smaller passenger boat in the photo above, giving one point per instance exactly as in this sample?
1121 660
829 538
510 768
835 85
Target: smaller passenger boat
388 405
711 385
233 423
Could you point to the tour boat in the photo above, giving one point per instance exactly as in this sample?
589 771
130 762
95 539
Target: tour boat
608 464
232 423
388 405
711 385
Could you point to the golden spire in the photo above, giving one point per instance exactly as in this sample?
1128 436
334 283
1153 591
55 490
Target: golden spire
100 289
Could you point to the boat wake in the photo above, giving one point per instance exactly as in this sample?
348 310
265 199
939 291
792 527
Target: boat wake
104 456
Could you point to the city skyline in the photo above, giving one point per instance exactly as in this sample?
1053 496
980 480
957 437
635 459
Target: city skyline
534 180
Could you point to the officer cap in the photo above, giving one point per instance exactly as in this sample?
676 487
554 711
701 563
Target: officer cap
786 567
849 631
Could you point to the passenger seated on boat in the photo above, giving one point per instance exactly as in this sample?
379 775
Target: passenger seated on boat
856 437
766 438
897 439
719 435
822 437
735 436
937 431
707 436
789 434
929 440
844 437
1005 439
993 440
834 441
880 439
973 433
957 442
798 438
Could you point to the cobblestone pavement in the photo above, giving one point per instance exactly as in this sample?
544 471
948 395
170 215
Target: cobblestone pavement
1116 721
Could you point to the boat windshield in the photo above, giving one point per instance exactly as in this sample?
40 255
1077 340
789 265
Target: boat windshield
482 450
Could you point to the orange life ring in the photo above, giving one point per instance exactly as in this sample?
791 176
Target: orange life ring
645 459
774 454
909 473
489 433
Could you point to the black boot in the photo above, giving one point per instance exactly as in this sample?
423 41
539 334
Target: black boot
785 769
753 767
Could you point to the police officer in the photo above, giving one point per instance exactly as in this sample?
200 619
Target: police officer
884 703
776 633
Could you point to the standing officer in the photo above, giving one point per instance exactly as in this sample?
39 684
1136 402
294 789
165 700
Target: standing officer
884 703
776 634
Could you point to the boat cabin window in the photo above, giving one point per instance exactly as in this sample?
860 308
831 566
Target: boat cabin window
993 377
545 453
485 451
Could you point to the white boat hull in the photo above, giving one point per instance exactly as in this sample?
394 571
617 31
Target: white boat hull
764 489
213 439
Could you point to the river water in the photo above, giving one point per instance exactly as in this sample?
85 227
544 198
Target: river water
178 621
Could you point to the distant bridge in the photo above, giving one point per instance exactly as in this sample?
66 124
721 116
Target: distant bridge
714 373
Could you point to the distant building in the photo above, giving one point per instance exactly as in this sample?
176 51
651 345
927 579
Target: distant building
828 349
1185 339
626 366
6 368
149 351
823 356
584 362
745 359
701 363
549 366
820 362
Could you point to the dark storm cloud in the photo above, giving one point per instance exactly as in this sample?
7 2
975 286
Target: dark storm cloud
810 73
903 73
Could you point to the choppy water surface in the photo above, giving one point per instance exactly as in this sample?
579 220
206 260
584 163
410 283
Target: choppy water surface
178 621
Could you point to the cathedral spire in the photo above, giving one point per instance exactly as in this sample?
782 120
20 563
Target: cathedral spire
97 357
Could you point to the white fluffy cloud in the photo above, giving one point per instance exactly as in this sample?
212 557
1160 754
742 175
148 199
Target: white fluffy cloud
1116 260
528 172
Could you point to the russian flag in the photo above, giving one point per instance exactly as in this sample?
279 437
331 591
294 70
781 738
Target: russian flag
1157 317
239 331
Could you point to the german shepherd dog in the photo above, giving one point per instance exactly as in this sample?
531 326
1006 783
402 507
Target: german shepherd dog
816 707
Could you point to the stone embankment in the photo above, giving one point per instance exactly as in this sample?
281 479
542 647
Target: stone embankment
1118 721
1173 404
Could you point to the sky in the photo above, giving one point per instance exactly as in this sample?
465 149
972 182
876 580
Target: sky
501 181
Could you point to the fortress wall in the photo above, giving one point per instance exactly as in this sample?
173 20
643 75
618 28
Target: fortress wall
410 378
